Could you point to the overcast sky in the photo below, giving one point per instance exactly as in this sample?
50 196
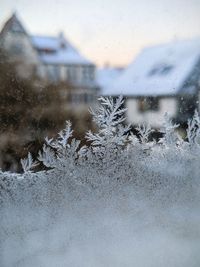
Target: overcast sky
111 31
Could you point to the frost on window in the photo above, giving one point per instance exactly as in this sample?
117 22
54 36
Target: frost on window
116 184
125 185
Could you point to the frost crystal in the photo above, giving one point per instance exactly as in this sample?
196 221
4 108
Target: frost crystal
193 131
28 163
139 183
114 153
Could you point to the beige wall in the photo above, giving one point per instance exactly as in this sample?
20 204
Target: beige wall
26 56
154 118
29 54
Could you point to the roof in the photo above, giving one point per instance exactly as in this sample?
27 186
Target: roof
106 76
158 70
61 51
43 42
13 24
51 49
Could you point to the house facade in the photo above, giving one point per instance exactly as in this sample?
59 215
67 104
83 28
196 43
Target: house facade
162 78
50 59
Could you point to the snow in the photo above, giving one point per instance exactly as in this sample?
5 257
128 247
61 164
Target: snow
138 79
65 56
106 76
62 52
43 42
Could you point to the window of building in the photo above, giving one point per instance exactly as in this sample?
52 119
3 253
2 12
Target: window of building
88 98
71 74
161 69
148 104
88 73
53 73
76 98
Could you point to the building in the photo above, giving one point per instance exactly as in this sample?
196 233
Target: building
50 59
162 78
106 75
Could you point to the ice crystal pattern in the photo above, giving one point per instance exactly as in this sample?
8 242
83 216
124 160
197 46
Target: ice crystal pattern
114 155
112 202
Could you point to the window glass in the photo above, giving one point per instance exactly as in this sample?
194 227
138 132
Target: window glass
148 104
100 133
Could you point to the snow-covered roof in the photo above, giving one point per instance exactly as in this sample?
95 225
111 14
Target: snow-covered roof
43 42
158 70
65 56
106 76
57 50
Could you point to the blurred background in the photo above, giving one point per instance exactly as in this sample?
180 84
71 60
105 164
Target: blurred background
57 57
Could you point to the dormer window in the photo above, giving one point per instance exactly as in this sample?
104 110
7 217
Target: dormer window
63 45
162 69
46 51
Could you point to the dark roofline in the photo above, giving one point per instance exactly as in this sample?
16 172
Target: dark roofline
43 36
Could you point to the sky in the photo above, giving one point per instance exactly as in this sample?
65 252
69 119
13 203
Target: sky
108 31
